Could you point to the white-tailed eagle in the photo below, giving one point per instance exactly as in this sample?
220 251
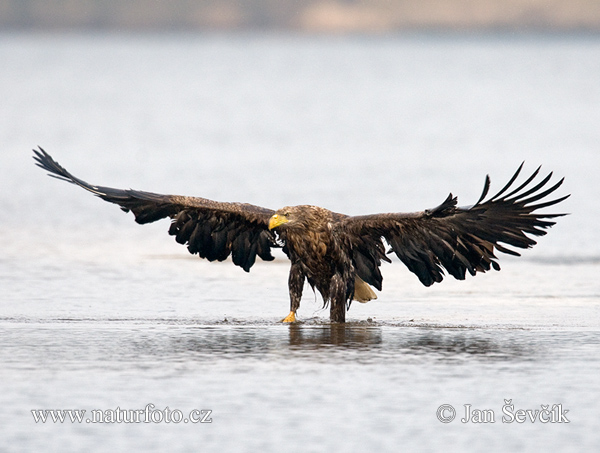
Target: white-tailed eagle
340 255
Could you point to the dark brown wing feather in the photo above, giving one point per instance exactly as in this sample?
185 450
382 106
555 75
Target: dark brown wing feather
213 230
453 238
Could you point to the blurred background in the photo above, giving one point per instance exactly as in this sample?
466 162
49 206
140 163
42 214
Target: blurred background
311 15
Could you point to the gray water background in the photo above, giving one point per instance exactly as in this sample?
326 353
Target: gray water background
97 312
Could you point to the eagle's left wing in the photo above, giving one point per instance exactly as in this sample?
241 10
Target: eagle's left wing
453 238
214 230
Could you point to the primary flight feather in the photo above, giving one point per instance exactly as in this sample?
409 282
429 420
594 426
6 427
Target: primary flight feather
340 255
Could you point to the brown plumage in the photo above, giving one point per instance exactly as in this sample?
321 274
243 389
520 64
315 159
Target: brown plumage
341 255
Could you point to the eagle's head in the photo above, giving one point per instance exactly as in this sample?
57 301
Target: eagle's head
282 217
304 216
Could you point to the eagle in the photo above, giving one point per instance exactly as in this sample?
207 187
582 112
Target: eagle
341 255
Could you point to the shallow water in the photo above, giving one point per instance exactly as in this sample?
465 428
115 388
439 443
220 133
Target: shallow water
97 312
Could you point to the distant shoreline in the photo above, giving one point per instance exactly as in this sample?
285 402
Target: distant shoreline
326 16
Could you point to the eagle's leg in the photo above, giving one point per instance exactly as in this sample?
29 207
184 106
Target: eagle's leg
337 310
337 299
296 285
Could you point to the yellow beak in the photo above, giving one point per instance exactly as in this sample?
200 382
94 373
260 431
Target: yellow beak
277 220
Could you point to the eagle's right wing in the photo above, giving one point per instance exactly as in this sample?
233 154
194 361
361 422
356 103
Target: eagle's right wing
214 230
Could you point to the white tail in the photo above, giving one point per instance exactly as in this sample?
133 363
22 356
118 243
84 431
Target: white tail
362 291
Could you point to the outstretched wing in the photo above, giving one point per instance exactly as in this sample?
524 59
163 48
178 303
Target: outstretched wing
453 238
211 229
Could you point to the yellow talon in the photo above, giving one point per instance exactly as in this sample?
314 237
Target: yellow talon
290 318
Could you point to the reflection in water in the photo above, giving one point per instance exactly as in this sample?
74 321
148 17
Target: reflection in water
457 345
83 341
331 342
342 335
